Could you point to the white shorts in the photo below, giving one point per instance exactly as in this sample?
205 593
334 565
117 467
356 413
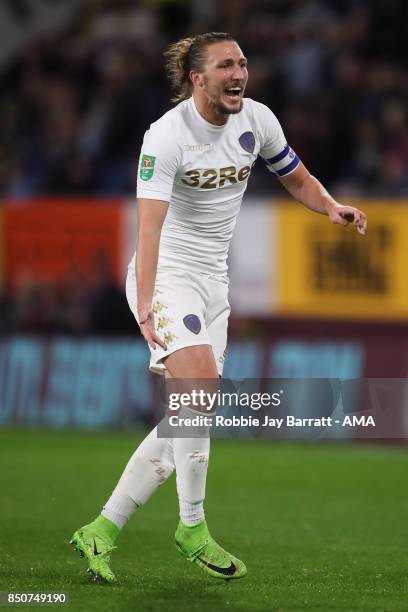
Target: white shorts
190 309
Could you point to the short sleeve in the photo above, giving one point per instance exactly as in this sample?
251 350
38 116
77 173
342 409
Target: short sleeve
158 163
279 158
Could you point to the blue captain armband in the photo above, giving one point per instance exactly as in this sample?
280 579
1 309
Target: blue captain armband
284 163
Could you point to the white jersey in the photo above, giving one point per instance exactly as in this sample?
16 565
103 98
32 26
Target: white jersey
202 170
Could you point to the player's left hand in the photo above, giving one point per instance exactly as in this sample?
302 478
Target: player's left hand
343 215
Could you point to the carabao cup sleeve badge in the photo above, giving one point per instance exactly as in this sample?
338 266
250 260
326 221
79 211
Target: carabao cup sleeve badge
147 167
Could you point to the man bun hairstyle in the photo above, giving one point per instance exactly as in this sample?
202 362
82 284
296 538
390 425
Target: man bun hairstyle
185 55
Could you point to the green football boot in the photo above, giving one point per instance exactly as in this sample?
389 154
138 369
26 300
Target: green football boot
95 543
199 547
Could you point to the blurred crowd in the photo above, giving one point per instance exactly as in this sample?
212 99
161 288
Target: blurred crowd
75 106
83 304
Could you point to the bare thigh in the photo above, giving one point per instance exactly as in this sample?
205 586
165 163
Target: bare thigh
192 368
192 362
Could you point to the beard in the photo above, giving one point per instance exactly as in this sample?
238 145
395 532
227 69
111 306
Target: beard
223 109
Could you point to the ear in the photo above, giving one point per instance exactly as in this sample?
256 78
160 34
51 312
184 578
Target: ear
195 78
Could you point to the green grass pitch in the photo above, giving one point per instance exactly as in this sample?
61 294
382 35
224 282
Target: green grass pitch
320 527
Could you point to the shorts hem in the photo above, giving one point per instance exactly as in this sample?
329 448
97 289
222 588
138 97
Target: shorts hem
157 367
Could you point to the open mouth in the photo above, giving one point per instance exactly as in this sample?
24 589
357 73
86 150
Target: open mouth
233 93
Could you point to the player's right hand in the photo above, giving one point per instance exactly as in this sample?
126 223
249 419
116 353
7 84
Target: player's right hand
148 331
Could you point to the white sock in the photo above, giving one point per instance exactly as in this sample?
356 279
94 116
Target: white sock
120 520
191 514
149 467
191 461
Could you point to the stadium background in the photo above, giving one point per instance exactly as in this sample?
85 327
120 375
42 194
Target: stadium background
80 83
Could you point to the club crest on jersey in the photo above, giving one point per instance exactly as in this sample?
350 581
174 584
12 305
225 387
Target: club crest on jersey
147 167
247 141
193 323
